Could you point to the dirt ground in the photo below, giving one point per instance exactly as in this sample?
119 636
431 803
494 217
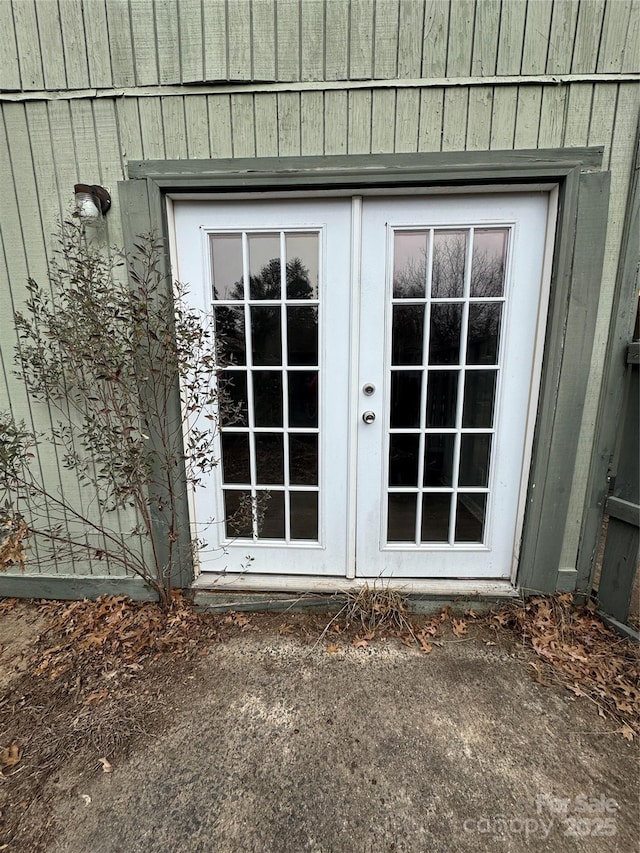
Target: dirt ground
125 730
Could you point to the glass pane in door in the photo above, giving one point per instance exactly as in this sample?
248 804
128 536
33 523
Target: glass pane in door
444 379
266 309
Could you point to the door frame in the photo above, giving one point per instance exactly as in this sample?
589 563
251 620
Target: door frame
574 278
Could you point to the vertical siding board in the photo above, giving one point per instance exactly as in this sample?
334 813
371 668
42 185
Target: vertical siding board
312 40
63 148
312 122
385 39
50 207
174 127
130 135
166 12
335 122
430 129
98 43
214 35
27 201
460 41
84 141
361 39
244 139
383 120
436 31
479 118
289 124
631 59
239 37
536 37
619 140
336 41
485 38
552 117
197 126
614 33
26 28
219 109
121 43
407 118
9 66
20 217
503 117
93 165
110 160
454 125
51 46
510 43
266 123
151 129
410 39
527 116
562 36
288 39
359 121
74 48
576 131
143 34
603 110
587 39
263 40
190 25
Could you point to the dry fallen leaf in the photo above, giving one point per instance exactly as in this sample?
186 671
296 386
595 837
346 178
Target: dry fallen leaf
285 629
360 643
459 627
10 756
627 733
86 798
106 767
426 645
332 649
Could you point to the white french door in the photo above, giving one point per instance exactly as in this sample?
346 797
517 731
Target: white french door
376 380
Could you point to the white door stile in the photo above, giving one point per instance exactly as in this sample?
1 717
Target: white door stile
354 370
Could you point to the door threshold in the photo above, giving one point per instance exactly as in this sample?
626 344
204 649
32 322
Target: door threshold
440 587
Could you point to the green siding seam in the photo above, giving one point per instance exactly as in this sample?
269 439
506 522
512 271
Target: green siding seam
316 86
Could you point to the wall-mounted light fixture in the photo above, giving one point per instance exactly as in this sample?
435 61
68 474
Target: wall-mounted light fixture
92 202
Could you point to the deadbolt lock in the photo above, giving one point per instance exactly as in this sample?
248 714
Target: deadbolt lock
368 389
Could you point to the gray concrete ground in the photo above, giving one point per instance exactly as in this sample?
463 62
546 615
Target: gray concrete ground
280 748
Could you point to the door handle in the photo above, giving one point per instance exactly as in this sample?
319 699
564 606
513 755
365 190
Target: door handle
368 417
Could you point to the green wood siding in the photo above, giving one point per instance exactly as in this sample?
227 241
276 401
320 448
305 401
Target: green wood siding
88 85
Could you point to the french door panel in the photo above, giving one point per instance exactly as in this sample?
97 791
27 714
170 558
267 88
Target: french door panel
447 344
275 278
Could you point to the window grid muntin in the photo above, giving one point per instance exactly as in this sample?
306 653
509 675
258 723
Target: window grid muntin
284 369
462 368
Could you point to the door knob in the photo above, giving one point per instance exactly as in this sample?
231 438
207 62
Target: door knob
368 417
